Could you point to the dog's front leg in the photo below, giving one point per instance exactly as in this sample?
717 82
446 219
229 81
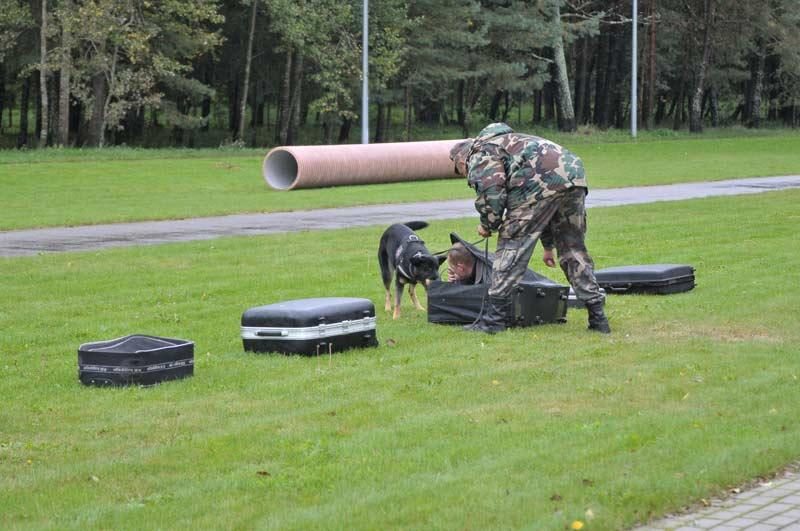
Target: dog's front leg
398 294
413 296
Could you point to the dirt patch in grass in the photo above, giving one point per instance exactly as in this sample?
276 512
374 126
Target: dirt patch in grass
725 334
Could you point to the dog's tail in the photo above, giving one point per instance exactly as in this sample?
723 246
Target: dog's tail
416 225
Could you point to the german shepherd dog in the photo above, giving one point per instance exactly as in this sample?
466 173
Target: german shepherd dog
403 256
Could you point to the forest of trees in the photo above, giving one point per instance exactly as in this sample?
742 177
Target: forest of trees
109 72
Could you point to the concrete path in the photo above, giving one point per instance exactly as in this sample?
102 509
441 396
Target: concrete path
772 505
88 237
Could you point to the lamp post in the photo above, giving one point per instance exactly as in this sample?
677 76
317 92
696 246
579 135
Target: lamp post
365 74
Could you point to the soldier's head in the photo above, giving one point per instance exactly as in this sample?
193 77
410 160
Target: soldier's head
460 261
459 155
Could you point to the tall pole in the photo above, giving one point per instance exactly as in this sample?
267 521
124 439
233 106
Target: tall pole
634 70
365 74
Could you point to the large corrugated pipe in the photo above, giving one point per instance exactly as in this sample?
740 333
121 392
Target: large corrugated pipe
290 167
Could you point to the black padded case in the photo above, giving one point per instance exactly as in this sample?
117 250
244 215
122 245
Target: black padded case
310 326
533 302
135 360
658 279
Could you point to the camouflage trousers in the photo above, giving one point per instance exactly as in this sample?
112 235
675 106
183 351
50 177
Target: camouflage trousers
564 214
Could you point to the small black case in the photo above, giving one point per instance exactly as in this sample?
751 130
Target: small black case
135 360
538 303
310 326
658 279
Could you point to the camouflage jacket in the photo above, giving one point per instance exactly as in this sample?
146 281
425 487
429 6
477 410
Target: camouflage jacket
510 172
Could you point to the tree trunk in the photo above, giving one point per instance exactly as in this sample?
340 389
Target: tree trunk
713 106
295 103
563 96
582 94
387 126
24 103
2 94
538 98
461 114
650 93
494 106
661 107
753 106
286 95
695 114
407 114
604 96
37 105
43 77
97 120
327 132
506 105
677 118
205 105
258 106
549 102
610 86
77 126
587 86
601 60
379 122
65 71
248 60
344 131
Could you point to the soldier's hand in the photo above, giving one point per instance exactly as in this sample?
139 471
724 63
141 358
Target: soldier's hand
548 258
483 232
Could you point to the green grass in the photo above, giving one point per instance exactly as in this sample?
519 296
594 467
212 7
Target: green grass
76 187
436 429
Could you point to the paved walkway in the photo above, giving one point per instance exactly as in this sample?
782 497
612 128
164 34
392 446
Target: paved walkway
771 505
31 242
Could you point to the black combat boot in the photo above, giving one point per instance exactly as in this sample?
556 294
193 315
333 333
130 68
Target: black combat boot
495 319
597 318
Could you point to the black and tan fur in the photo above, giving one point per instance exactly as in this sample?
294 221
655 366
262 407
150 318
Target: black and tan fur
402 256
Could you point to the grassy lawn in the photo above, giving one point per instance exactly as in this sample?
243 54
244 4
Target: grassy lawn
437 428
75 187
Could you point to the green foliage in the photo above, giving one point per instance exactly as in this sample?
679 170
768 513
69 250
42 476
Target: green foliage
784 31
445 62
138 48
14 19
436 428
442 39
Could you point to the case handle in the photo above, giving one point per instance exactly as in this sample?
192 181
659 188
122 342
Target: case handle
618 289
272 333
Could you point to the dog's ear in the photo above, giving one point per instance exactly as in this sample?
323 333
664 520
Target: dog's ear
442 259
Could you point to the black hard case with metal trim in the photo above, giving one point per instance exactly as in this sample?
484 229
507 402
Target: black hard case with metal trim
310 326
135 360
661 279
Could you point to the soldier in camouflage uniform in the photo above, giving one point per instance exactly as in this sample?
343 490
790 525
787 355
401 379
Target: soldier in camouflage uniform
529 189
